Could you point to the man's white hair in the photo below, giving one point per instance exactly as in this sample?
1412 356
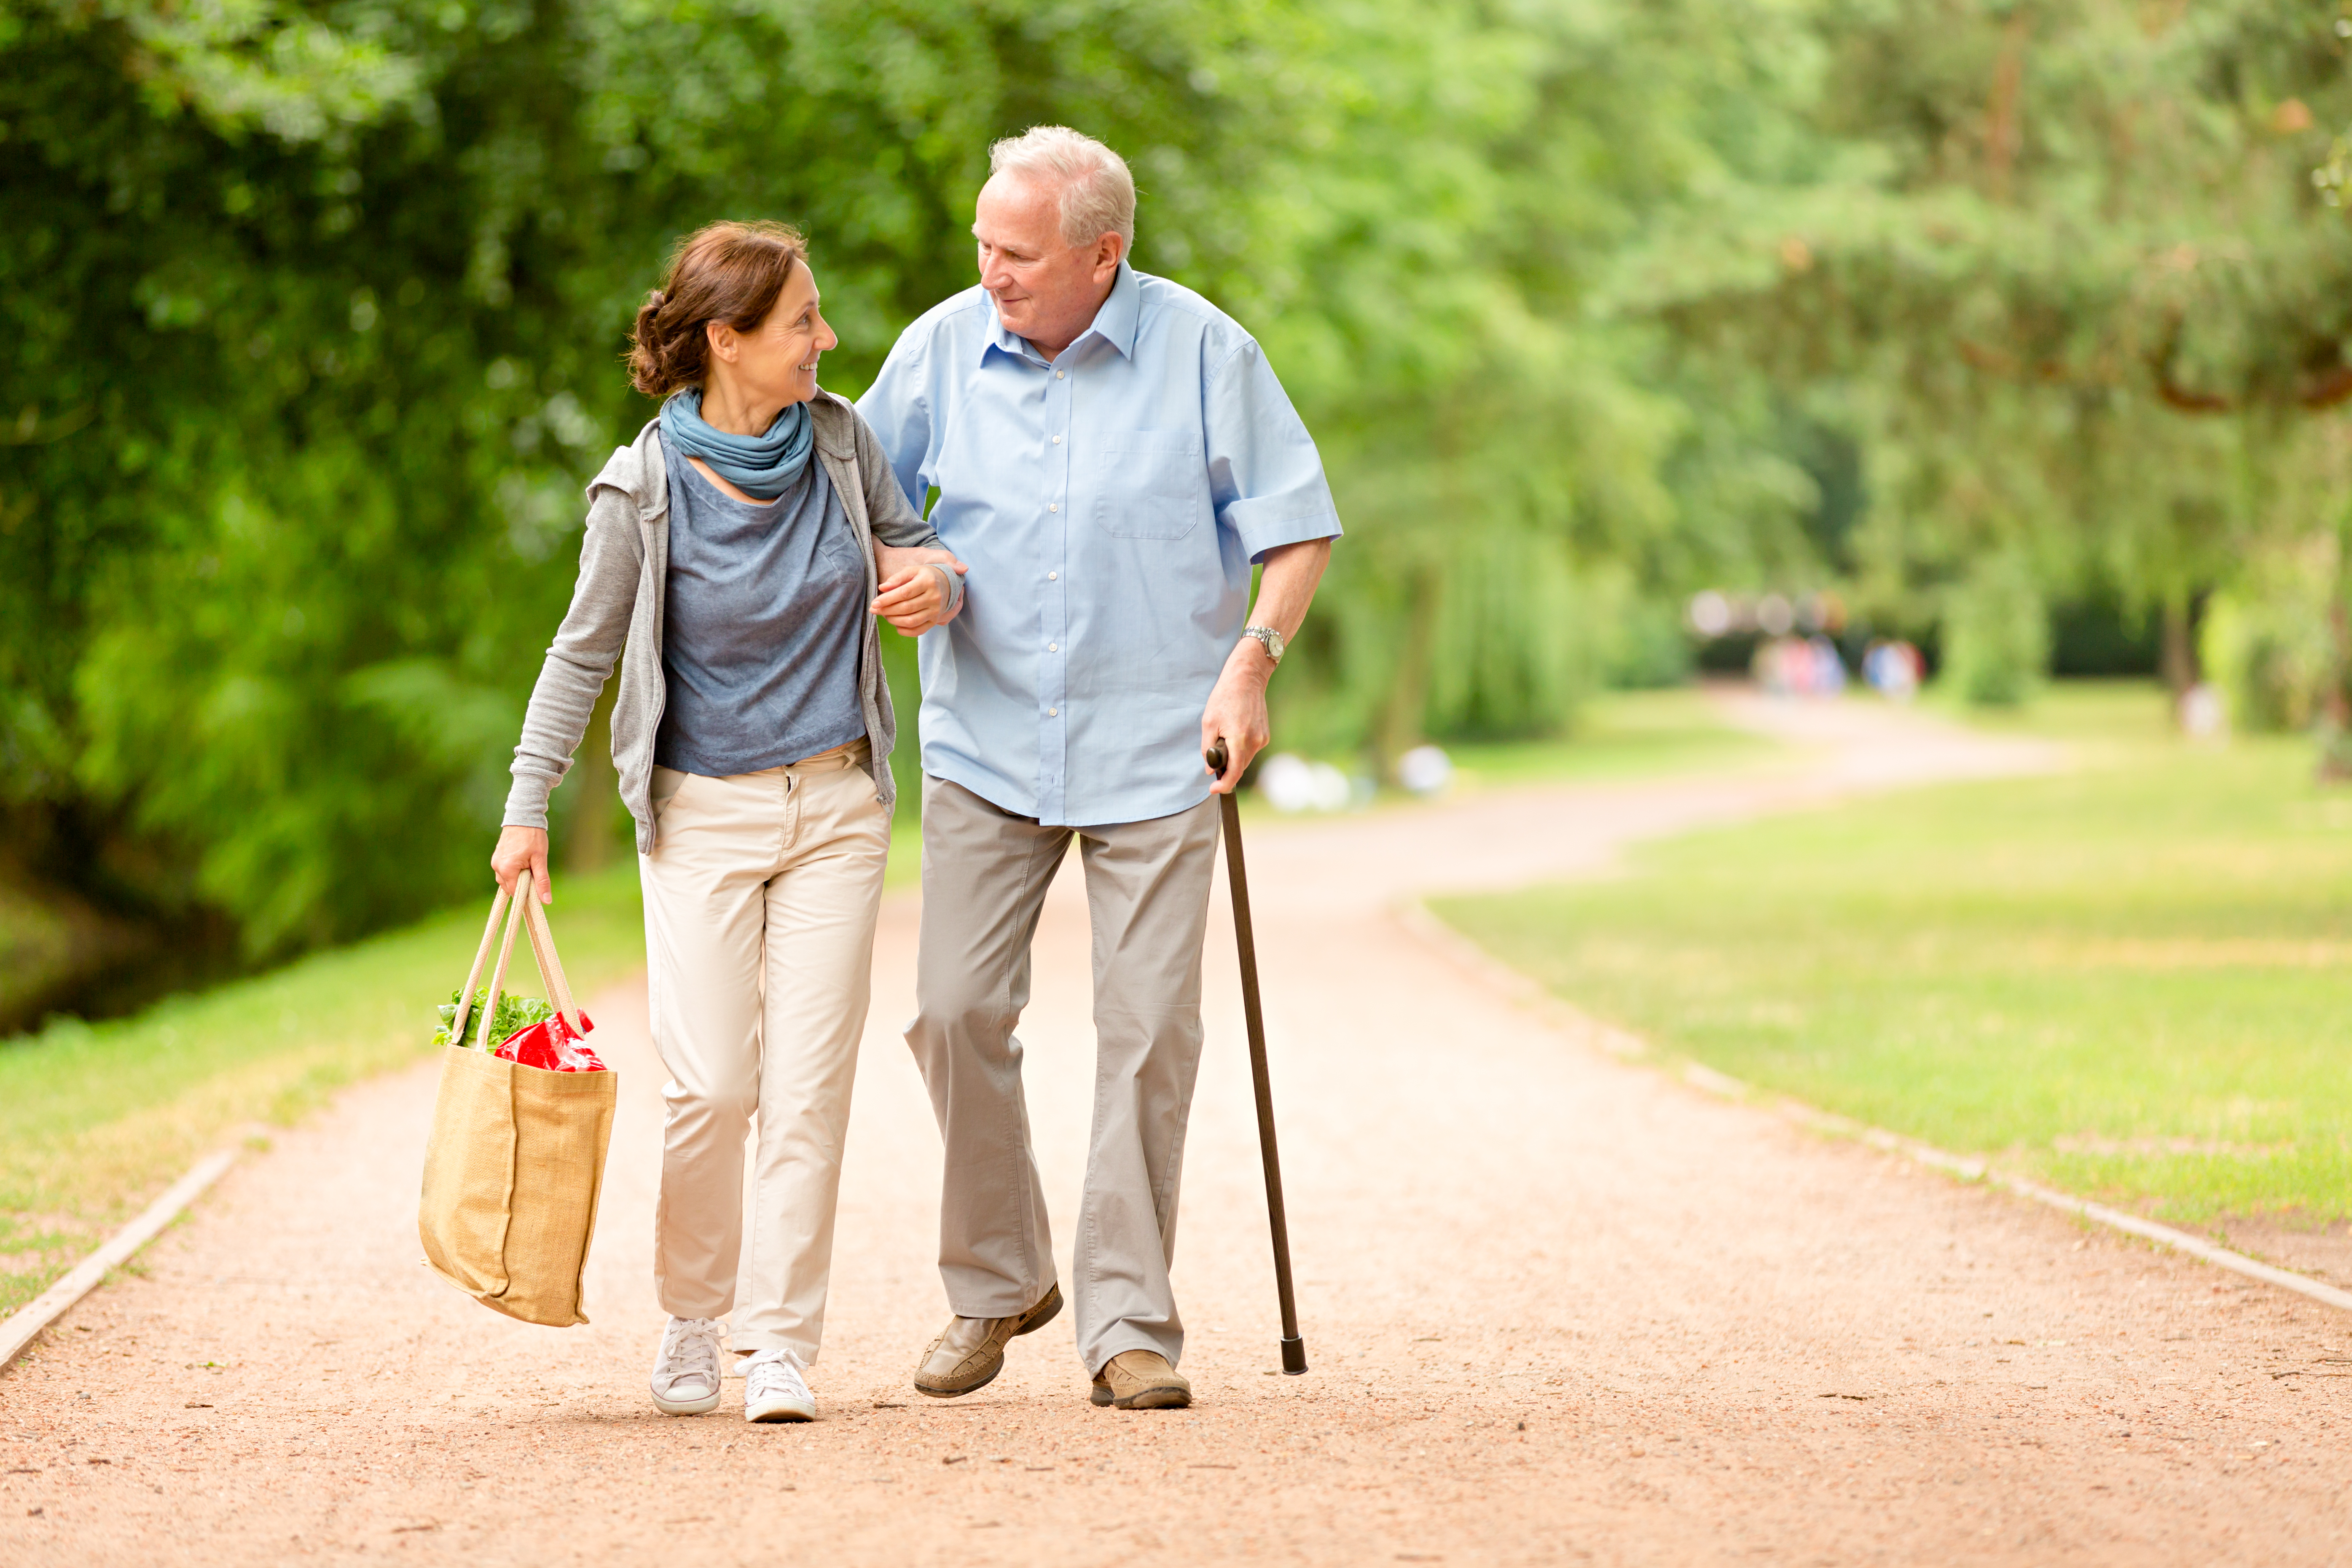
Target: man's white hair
1098 193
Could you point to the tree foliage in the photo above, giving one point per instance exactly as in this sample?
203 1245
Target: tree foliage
313 310
314 316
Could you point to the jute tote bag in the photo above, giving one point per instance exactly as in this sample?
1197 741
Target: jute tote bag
517 1155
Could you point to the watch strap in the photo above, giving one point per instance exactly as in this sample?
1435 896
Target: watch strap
1268 639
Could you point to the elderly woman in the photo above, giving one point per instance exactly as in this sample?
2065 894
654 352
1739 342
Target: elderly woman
736 554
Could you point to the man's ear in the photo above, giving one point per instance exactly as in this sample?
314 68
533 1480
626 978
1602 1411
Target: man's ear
1110 250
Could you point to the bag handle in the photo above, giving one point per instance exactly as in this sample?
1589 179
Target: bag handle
523 910
474 976
522 901
550 967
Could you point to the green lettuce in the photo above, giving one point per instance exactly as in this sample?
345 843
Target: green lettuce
514 1013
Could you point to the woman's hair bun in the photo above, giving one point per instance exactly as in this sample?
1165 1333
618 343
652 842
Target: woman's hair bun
730 272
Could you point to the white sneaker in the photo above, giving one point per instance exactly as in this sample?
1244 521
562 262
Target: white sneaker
774 1389
685 1374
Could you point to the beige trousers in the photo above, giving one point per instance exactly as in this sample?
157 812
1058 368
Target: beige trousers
761 896
985 873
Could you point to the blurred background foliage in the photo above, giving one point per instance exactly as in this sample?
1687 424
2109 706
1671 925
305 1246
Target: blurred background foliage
2018 324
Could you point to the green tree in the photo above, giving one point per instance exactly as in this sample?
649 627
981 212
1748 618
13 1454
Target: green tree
2071 283
314 314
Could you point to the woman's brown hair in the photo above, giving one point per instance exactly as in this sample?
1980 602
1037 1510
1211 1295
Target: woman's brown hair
728 272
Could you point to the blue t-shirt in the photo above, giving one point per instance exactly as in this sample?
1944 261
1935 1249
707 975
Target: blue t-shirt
760 626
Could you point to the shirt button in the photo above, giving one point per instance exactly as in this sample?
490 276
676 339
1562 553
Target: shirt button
1053 712
1057 440
1052 506
1057 375
1053 648
1053 576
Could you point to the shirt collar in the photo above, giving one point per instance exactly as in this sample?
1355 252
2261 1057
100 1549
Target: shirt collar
1115 323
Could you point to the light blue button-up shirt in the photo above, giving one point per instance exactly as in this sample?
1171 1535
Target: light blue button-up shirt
1110 505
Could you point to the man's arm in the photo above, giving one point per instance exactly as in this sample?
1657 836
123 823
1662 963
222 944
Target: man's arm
1267 483
1236 710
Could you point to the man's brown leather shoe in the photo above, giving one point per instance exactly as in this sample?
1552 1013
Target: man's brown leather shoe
970 1351
1141 1380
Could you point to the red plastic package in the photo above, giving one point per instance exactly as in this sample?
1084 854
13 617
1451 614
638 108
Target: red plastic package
553 1045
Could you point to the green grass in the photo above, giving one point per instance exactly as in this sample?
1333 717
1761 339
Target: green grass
96 1118
2133 980
1617 735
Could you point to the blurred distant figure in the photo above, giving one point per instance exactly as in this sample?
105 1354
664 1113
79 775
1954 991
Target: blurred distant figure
2203 717
1829 669
1293 783
1894 671
1426 770
1799 667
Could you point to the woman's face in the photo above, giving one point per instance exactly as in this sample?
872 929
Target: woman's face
775 362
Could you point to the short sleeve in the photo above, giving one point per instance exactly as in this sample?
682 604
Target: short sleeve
1265 477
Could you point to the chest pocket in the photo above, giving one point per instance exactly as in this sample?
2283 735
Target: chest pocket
1149 484
838 539
839 548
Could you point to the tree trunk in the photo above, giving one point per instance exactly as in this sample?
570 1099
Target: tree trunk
1399 730
2004 133
2177 659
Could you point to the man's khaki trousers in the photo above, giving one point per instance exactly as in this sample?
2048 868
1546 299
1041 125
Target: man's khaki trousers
985 873
761 896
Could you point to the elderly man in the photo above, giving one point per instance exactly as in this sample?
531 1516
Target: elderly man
1111 455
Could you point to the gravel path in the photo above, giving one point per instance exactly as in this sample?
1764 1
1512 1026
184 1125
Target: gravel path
1560 1308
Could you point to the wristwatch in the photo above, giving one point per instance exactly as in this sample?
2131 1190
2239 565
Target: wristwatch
1269 639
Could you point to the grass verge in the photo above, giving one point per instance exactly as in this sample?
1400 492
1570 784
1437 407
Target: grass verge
95 1119
1618 735
2132 981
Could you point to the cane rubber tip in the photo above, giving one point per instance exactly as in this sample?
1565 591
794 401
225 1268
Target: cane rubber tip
1293 1357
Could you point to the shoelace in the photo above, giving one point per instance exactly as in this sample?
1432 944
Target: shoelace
771 1377
690 1349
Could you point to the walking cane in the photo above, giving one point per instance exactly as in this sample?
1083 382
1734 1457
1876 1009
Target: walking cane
1293 1349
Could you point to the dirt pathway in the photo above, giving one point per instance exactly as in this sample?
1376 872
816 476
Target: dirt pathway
1560 1308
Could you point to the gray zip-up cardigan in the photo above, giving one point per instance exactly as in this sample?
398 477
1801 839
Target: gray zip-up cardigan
616 612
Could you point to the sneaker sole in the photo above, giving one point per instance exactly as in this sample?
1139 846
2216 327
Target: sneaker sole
779 1413
702 1406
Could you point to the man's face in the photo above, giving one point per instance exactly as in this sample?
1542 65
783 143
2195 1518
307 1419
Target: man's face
1046 290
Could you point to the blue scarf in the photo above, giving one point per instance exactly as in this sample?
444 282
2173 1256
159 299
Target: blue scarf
762 466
